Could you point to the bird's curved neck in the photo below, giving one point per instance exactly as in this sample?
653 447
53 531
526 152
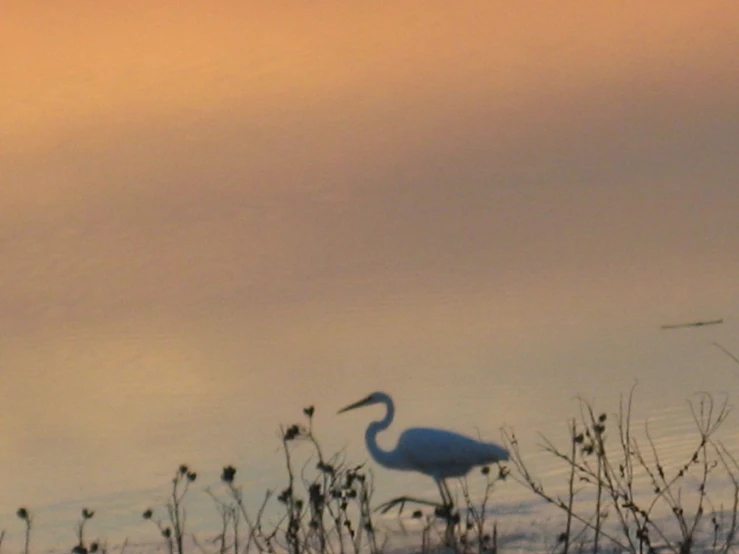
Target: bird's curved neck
382 457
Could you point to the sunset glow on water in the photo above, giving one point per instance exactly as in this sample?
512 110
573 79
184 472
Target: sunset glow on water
212 216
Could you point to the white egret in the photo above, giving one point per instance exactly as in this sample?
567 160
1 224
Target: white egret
438 453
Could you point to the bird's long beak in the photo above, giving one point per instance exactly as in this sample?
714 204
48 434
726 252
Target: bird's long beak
359 404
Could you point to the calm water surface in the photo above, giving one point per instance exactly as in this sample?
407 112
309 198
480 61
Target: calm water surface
483 211
115 411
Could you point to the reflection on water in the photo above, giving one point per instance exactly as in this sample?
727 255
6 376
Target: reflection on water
245 211
111 416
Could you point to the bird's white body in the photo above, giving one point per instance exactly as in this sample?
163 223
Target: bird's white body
434 452
441 454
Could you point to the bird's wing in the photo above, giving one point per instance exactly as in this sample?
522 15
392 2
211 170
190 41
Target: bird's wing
443 453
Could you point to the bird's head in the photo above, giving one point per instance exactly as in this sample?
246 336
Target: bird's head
374 398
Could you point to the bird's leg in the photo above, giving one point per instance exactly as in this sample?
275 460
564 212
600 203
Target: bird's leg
449 499
446 496
445 511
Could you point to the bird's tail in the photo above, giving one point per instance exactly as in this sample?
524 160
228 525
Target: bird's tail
499 453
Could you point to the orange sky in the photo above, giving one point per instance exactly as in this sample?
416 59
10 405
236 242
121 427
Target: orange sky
79 67
354 185
132 128
161 157
166 163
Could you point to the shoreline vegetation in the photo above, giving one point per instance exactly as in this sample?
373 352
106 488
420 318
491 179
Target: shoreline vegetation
619 495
